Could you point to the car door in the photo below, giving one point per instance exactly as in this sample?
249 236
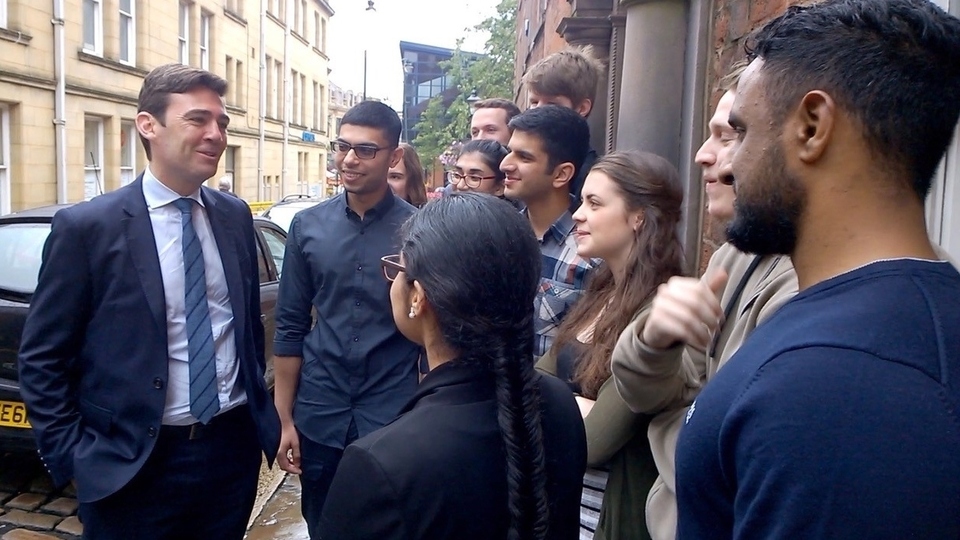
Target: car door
271 241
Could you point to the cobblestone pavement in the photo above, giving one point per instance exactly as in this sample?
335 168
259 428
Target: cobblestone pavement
31 509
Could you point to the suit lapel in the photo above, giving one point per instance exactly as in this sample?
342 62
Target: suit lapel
227 237
143 250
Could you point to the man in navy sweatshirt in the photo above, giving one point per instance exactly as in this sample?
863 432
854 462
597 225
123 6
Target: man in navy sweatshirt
838 418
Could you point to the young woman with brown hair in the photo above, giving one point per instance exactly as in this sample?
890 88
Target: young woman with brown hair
629 216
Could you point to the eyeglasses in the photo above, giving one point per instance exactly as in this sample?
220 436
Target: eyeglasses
472 180
391 267
363 151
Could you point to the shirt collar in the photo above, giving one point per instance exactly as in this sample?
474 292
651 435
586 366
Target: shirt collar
561 227
157 194
379 209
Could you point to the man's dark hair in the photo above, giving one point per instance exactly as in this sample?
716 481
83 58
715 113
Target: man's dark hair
373 114
893 64
565 135
173 79
498 103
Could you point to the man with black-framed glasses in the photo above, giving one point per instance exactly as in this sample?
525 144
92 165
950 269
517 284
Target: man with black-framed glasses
350 372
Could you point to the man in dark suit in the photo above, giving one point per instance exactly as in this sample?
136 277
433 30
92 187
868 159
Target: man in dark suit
142 358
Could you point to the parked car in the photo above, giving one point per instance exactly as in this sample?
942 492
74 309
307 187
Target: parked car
22 236
283 211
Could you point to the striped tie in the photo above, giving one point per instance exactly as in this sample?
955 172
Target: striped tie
204 402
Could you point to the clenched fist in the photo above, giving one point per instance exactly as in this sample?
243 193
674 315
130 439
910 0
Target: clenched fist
685 310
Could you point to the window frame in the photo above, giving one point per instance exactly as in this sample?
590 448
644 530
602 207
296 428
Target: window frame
204 45
131 26
183 33
6 190
128 149
97 167
95 48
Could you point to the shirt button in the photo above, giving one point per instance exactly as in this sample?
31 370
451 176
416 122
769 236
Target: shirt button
355 339
358 304
152 431
158 383
359 268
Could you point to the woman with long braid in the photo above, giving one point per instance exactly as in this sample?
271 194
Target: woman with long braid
488 448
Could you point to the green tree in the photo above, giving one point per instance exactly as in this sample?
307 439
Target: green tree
490 75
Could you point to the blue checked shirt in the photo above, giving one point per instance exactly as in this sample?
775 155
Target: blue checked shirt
562 280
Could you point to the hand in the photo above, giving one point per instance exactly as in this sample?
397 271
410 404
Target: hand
685 310
288 456
586 405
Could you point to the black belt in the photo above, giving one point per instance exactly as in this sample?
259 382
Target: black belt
198 430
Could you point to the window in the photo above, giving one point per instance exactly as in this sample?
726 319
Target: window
5 194
276 245
231 80
316 105
184 35
303 185
280 92
3 13
297 16
230 167
92 27
128 32
205 41
302 102
316 29
303 18
128 152
323 35
93 157
295 79
235 6
239 84
271 89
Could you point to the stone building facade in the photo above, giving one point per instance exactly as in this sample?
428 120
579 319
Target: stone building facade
72 69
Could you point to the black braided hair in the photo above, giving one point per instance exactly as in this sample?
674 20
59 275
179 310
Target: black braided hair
479 265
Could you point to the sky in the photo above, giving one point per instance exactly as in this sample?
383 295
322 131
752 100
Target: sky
352 29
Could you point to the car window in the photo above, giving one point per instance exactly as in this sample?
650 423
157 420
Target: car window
276 243
21 251
262 265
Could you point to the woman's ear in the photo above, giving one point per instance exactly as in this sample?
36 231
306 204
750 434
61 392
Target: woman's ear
418 300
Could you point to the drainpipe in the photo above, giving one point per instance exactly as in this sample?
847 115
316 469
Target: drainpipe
261 191
60 100
287 97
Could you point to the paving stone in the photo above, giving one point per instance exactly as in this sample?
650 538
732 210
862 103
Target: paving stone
69 491
71 525
63 506
23 534
4 496
27 501
25 519
42 484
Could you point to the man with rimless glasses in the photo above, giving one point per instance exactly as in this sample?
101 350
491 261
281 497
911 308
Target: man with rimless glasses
350 372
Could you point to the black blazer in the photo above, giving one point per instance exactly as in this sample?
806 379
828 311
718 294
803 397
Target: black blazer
93 357
439 470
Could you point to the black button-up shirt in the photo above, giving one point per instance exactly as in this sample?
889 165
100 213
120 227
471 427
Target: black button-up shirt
356 365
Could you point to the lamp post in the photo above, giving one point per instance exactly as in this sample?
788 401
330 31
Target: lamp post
473 98
369 8
407 75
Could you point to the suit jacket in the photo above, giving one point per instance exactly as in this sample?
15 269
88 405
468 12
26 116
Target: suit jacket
93 356
439 470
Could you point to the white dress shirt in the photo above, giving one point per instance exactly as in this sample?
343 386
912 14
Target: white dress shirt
167 233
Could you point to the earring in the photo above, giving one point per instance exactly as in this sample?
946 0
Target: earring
412 313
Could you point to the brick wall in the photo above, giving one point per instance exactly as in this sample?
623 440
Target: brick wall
733 20
537 37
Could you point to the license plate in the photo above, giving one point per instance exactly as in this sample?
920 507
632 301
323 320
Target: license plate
13 414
